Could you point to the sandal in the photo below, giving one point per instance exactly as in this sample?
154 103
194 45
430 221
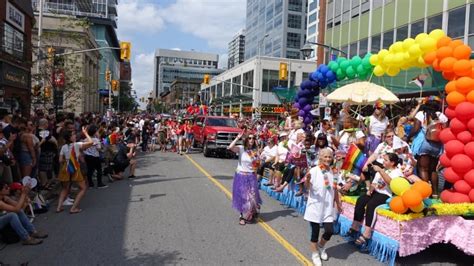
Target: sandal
242 221
60 210
362 240
75 212
352 234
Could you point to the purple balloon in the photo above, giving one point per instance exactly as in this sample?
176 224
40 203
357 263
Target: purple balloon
307 84
307 108
296 105
308 120
301 113
302 101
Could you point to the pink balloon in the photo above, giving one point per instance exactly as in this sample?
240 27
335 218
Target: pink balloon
446 196
454 147
459 198
457 126
469 178
446 135
451 176
464 110
444 160
469 149
470 125
464 136
462 186
450 112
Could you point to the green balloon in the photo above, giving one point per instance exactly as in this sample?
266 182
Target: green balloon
340 60
350 72
364 76
333 66
360 69
356 61
368 55
345 64
340 74
366 63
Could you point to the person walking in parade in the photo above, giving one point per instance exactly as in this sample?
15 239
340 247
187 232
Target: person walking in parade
245 195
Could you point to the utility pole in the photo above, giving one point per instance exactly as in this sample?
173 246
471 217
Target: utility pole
40 32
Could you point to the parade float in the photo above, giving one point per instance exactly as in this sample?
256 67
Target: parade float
410 221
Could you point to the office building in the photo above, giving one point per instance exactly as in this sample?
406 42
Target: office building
312 31
236 49
252 85
275 28
173 64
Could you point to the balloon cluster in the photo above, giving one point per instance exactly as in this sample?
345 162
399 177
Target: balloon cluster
323 76
304 100
413 197
405 54
352 68
458 157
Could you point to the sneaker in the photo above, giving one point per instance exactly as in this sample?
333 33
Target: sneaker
322 253
316 259
32 241
39 234
102 186
68 202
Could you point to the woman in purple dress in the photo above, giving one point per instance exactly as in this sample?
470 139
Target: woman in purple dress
245 196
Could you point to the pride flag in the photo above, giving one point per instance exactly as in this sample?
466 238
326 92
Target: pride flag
72 164
355 160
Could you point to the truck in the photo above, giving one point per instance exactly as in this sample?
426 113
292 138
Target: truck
214 133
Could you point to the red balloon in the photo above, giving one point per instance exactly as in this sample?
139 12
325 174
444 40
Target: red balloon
454 147
464 137
471 195
469 178
446 135
459 198
465 111
451 176
444 160
469 149
470 125
457 125
462 186
446 196
450 112
461 163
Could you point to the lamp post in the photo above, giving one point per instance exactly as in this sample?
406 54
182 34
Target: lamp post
308 48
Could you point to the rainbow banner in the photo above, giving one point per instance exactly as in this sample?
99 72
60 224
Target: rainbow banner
355 160
72 164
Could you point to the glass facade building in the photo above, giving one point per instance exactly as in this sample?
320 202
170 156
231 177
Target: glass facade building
275 28
236 49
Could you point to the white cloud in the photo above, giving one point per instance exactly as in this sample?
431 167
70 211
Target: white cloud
135 15
213 20
176 49
223 64
142 74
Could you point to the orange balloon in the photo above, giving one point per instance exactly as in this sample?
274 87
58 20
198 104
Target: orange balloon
443 41
456 43
462 52
447 64
454 98
397 206
411 198
444 52
450 86
430 57
462 67
436 65
449 75
470 96
423 188
464 85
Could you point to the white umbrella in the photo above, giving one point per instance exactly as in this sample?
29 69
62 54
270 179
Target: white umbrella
362 93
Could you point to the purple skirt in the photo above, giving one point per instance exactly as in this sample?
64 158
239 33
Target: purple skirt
245 195
371 144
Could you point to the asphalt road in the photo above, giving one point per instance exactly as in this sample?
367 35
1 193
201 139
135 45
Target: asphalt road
173 214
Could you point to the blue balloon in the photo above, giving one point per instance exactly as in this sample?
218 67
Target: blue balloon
296 105
307 84
320 76
323 84
307 108
301 113
330 76
313 76
302 101
323 69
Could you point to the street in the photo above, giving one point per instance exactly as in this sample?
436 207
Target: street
172 213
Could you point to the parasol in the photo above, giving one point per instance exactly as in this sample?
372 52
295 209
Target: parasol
362 93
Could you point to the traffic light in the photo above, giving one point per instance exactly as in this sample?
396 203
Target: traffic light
283 74
47 92
115 85
36 90
206 79
108 76
125 50
51 53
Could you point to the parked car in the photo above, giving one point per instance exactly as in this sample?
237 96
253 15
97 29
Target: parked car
214 133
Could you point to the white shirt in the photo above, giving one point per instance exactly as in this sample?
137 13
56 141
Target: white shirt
292 137
382 149
320 204
422 118
66 150
381 186
94 149
377 127
245 161
269 152
346 139
282 152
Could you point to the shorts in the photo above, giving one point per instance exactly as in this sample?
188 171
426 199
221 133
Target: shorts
189 136
431 148
25 158
120 167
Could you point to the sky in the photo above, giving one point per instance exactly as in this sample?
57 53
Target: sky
200 25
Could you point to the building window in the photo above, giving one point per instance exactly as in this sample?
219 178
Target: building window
277 21
293 40
436 22
418 27
278 6
363 46
269 12
247 81
295 5
219 90
456 22
312 18
313 5
387 39
12 42
312 30
353 49
375 44
294 21
227 87
236 85
402 33
269 27
292 55
270 80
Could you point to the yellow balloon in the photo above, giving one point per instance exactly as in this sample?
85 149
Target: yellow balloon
407 43
414 50
428 45
437 34
397 47
421 62
393 71
418 208
398 185
420 37
389 59
398 59
374 59
379 71
382 54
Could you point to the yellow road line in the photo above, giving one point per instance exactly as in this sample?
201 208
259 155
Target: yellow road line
300 257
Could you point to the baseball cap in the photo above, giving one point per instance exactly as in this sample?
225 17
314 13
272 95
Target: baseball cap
16 186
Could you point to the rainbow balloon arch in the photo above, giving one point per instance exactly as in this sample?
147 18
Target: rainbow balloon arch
408 222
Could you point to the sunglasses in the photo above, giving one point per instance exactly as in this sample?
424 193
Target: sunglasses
389 136
251 137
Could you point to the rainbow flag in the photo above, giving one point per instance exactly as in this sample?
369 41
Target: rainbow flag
354 161
72 164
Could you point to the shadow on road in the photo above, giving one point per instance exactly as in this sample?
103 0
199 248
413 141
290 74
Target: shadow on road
440 253
223 177
160 258
269 216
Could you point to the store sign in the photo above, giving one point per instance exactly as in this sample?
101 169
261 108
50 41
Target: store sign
13 76
15 17
272 109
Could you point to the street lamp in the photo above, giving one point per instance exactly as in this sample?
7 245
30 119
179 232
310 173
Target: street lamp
260 43
307 49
